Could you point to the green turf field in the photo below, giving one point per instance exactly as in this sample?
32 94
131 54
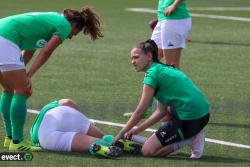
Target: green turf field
99 77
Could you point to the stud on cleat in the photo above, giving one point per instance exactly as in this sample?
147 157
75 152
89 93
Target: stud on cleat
114 151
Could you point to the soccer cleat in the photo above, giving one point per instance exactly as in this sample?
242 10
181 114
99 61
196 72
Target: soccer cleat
197 145
109 152
129 146
23 146
7 141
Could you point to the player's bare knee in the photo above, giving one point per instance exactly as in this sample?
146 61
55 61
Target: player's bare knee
24 92
9 90
147 152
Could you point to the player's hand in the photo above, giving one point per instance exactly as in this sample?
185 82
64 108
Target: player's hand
118 137
169 10
130 133
29 87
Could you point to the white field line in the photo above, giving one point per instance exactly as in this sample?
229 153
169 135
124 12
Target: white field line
148 10
153 130
220 8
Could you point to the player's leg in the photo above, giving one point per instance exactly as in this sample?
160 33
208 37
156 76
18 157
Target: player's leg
194 128
95 131
20 83
96 146
174 34
162 144
172 57
5 103
92 130
65 129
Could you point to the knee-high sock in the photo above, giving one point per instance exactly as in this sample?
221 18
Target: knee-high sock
5 103
18 112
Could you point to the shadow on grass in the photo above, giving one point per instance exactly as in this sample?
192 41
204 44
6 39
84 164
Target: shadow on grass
221 43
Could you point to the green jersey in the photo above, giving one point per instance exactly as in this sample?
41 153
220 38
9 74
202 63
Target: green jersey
33 30
173 88
181 12
36 124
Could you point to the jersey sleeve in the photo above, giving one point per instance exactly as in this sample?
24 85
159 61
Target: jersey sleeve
63 30
150 80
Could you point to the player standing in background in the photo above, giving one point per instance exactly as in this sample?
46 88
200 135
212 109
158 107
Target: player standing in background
170 32
20 36
172 29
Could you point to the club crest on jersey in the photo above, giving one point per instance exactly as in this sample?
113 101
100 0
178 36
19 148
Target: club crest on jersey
41 43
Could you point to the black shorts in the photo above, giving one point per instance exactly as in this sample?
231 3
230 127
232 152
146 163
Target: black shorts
176 130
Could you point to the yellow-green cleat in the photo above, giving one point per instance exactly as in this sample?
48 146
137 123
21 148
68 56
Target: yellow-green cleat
7 141
106 151
24 146
129 146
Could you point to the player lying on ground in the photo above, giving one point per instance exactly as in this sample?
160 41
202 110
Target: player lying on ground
61 127
171 88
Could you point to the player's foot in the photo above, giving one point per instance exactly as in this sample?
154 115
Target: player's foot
197 145
129 146
7 141
23 146
109 152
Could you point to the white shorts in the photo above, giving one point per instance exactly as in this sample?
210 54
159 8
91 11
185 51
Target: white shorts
172 34
10 56
59 127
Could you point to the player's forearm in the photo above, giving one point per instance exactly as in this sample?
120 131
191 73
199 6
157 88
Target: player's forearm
41 59
154 118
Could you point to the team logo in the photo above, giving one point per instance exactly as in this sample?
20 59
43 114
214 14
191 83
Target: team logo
170 44
28 156
41 43
163 134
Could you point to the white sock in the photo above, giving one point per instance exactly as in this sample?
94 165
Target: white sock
180 144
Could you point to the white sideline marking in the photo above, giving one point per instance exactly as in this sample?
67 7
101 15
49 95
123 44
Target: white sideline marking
220 8
153 130
148 10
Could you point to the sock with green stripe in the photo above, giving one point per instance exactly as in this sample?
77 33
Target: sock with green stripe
18 112
108 138
5 103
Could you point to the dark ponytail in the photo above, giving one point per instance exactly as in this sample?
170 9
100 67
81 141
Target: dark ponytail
150 46
86 20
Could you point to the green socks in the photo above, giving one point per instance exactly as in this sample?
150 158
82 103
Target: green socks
18 112
5 103
108 138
